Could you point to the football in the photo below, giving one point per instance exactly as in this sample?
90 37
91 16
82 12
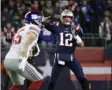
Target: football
46 12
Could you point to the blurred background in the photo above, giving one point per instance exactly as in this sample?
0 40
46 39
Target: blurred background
95 18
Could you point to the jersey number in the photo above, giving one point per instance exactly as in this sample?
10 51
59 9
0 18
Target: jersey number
17 39
67 41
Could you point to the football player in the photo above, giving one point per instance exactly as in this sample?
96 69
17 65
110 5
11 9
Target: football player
66 41
16 59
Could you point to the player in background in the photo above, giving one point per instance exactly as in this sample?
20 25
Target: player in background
16 59
66 42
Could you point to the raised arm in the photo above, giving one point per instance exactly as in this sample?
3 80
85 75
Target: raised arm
47 18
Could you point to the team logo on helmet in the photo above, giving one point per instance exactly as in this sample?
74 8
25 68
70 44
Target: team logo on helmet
31 17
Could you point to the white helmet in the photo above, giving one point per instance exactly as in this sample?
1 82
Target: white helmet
66 12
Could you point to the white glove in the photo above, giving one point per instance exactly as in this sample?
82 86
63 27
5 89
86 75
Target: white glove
22 64
45 18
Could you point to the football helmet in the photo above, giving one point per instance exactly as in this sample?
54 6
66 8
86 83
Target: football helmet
67 13
33 17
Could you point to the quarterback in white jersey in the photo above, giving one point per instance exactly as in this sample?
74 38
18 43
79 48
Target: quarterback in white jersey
16 59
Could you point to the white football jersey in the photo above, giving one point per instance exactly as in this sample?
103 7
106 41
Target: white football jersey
20 38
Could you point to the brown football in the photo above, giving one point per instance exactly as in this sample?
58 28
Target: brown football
46 12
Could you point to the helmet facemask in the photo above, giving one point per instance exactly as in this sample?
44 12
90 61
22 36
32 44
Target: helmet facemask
67 20
67 17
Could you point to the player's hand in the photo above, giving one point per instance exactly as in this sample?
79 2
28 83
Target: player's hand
46 13
45 18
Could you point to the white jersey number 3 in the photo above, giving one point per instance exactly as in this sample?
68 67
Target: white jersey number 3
67 41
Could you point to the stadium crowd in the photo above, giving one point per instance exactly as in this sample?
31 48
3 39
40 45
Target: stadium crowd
94 16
